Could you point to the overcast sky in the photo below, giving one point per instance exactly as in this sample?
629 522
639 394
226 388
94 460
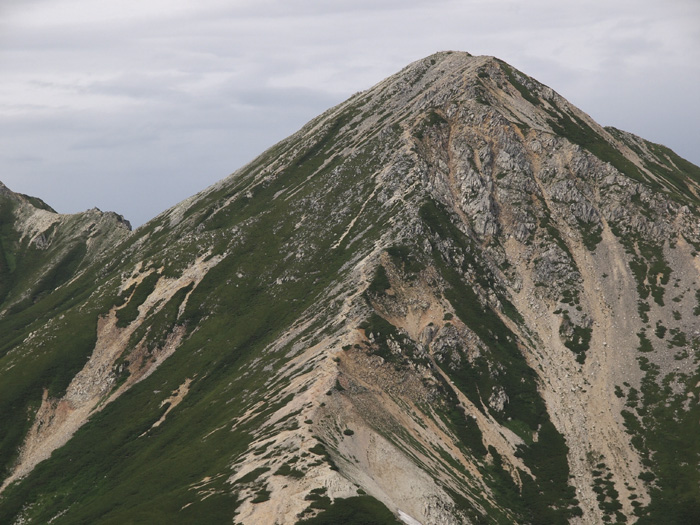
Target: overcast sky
134 105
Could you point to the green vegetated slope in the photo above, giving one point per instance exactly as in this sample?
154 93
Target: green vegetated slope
274 266
430 244
36 273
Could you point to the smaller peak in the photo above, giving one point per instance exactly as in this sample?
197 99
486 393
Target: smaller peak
36 202
25 199
119 219
96 214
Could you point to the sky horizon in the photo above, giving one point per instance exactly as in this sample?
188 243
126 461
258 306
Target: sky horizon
133 107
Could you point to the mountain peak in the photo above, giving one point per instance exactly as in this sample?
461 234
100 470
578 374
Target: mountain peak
453 298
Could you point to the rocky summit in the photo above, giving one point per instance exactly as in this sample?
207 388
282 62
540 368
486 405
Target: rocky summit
453 298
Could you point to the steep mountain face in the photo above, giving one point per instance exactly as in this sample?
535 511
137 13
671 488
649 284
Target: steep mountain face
452 299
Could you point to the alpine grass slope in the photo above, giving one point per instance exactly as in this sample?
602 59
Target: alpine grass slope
453 298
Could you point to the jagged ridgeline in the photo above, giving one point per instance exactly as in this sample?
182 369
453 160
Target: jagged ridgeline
452 299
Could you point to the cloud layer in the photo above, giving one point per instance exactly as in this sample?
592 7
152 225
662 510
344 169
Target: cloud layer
133 106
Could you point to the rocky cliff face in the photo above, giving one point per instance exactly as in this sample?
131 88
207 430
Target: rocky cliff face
454 298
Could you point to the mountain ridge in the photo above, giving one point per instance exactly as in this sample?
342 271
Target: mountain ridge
449 293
